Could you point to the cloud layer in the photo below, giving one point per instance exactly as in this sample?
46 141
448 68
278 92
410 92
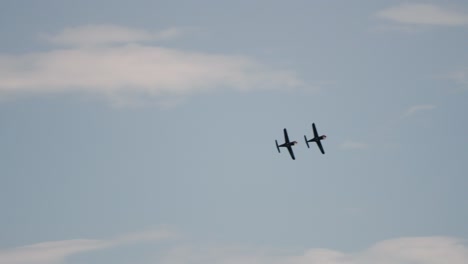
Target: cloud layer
56 252
406 250
413 250
111 60
424 14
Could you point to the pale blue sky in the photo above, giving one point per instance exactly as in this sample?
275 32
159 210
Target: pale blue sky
143 132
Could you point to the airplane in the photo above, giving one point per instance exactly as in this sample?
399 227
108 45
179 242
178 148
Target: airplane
287 144
316 139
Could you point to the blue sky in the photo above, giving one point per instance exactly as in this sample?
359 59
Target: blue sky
143 132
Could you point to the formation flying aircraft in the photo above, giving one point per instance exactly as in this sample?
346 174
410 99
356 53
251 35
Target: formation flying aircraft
316 139
287 144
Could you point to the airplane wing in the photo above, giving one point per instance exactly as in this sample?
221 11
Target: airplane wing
291 152
315 130
319 144
286 138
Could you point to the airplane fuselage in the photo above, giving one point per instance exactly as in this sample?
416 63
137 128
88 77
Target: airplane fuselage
288 144
315 139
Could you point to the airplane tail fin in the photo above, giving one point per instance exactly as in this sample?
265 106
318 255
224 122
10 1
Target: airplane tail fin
307 142
276 141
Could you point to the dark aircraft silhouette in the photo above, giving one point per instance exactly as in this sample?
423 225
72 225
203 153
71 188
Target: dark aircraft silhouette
287 144
316 139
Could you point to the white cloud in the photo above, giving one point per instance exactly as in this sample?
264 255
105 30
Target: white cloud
424 14
349 144
406 250
460 77
49 252
131 68
56 252
424 250
419 108
93 35
420 250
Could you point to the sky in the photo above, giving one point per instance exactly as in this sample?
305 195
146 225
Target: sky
143 132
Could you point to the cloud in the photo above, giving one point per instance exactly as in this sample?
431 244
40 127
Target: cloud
460 77
423 14
421 250
49 252
349 144
418 108
424 250
56 252
406 250
93 35
95 65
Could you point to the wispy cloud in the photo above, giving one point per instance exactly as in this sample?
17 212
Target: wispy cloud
56 252
92 35
418 108
460 76
421 250
406 250
95 64
424 14
350 144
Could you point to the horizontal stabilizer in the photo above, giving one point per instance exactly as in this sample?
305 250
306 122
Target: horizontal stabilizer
276 141
307 142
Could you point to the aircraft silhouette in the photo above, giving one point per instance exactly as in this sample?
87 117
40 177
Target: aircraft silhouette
316 139
287 144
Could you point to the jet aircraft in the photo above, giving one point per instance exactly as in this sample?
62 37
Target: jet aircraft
316 139
287 144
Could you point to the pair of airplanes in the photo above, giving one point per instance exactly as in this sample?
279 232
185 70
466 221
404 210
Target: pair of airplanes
288 144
